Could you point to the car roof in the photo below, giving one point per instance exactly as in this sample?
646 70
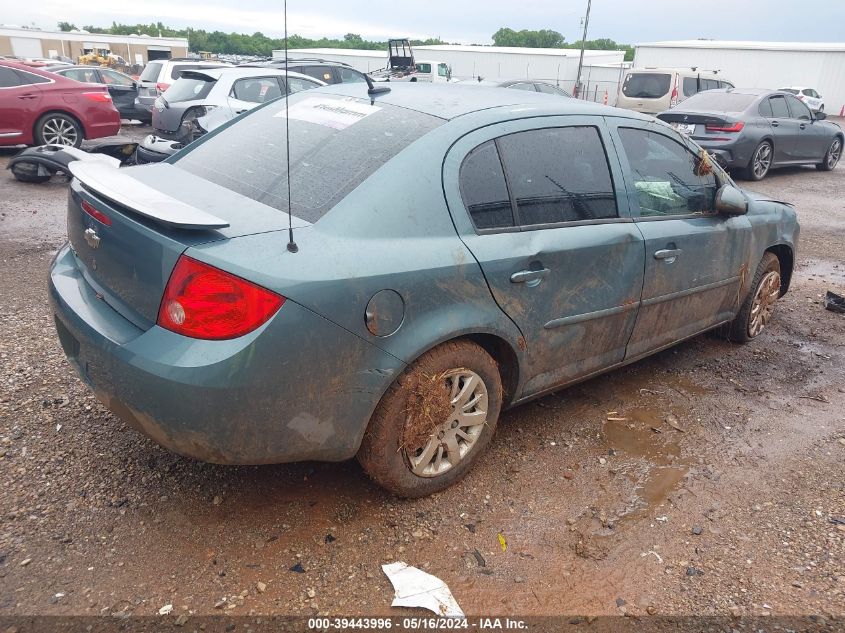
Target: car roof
237 72
30 69
451 100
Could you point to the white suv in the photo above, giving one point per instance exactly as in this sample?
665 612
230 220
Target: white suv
160 73
810 97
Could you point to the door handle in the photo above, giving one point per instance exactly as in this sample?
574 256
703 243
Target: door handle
529 277
240 111
775 123
27 96
669 255
803 126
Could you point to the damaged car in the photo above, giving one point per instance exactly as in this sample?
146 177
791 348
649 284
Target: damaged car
380 273
202 100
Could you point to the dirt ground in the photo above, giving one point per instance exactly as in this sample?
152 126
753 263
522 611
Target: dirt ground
721 492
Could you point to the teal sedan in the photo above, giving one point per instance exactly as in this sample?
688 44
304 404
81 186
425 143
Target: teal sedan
432 255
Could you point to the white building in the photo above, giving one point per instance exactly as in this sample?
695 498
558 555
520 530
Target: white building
135 49
758 64
555 65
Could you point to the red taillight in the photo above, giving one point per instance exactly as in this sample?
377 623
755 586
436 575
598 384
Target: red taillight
201 301
94 213
162 87
673 100
99 97
736 127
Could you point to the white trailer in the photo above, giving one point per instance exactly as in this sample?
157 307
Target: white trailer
758 64
555 65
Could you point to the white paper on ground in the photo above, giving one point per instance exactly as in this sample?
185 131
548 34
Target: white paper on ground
415 588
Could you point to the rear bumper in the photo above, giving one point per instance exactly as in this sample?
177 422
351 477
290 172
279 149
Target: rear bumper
297 388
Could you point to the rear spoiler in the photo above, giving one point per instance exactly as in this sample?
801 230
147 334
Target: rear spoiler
119 186
203 75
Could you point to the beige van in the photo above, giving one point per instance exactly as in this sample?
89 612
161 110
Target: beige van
653 90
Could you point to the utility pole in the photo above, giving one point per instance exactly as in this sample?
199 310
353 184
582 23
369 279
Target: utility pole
583 44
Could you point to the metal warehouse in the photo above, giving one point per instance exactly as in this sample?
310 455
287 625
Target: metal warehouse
556 65
135 49
758 64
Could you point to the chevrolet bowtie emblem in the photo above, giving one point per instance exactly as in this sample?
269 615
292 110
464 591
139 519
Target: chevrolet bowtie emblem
92 238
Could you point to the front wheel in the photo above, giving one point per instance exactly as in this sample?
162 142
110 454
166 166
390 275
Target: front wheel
761 162
58 129
434 421
832 156
759 305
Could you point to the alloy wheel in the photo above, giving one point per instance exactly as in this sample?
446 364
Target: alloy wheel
834 153
768 292
452 439
762 160
59 131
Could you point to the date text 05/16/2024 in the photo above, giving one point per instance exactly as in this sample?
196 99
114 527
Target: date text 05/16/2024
410 624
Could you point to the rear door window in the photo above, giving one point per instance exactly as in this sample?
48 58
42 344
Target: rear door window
779 109
558 175
347 75
28 79
646 85
8 78
668 178
85 75
256 89
690 86
483 188
335 144
323 73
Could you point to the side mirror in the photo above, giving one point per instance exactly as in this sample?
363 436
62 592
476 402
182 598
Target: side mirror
731 201
820 116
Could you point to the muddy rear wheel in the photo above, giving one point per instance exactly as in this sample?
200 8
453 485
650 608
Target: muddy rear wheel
434 421
759 305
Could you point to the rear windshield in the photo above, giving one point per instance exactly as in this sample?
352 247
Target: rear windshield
719 101
646 85
151 71
188 89
335 144
177 69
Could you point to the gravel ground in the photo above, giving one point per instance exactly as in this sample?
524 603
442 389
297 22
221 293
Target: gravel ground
721 493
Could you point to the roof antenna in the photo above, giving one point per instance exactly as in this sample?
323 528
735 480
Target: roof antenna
292 247
371 89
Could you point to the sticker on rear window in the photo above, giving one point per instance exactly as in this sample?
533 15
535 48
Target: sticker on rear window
331 113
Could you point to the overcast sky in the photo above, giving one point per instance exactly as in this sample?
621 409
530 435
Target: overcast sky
467 21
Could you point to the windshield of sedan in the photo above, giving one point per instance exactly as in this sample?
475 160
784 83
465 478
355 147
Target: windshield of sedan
335 144
719 101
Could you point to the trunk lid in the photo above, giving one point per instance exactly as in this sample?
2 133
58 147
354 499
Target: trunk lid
137 221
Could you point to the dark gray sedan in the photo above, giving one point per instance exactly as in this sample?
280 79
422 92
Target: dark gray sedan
752 131
451 251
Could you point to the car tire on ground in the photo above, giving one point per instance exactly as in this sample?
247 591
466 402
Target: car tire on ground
59 129
757 309
450 397
761 162
832 156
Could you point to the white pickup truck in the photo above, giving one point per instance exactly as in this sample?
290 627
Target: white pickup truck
401 66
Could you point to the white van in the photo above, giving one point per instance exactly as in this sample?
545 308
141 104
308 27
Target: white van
653 90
